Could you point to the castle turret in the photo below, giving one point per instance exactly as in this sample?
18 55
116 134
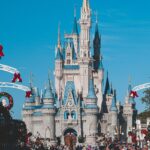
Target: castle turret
75 34
91 111
84 60
37 96
48 111
97 54
58 67
85 24
28 109
114 116
128 111
98 69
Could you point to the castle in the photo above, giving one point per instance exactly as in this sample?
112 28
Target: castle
78 107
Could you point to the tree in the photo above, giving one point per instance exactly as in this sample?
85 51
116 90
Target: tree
146 99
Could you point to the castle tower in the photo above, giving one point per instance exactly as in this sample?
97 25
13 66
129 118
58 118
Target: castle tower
84 61
91 110
48 111
114 116
98 70
28 109
58 67
108 93
75 33
37 96
97 46
85 24
128 111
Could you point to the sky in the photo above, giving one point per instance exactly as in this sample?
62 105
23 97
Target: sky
28 33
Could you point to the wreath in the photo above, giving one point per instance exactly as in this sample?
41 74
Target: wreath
10 99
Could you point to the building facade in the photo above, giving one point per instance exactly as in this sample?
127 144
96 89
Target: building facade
77 106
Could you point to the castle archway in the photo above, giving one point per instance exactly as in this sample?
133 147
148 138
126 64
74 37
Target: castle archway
70 137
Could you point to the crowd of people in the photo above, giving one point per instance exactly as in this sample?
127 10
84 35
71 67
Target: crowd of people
39 144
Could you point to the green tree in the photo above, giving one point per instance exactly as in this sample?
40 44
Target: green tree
146 99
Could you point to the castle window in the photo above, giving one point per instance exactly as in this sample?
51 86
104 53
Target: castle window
73 115
68 54
66 115
68 61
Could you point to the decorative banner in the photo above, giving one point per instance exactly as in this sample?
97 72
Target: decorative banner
1 51
9 97
17 77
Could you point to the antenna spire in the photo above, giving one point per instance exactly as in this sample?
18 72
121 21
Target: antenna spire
59 37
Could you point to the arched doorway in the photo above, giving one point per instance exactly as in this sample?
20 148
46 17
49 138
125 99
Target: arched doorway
70 137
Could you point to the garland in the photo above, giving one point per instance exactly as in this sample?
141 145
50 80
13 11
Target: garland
9 97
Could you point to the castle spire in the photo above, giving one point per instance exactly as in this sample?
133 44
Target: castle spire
107 86
48 91
85 24
113 105
59 38
97 46
86 6
91 91
75 25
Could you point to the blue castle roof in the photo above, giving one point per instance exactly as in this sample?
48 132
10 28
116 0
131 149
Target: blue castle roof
37 114
91 106
59 55
48 94
91 92
70 87
113 105
107 86
100 67
32 107
75 27
71 67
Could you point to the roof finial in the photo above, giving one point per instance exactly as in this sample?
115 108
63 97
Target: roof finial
96 16
31 79
85 5
130 79
59 38
49 79
75 12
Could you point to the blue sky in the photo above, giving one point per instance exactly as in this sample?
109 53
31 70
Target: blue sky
28 32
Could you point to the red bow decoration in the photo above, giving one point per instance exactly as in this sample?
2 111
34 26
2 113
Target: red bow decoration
144 131
133 94
1 51
28 94
17 77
